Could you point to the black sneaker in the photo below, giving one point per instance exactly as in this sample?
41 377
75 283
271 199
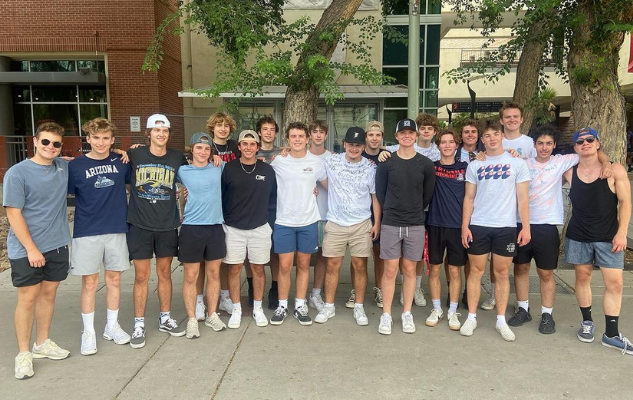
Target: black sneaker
547 324
279 316
273 299
301 314
171 326
520 317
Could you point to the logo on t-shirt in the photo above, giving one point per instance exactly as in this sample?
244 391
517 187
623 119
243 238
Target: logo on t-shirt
103 182
260 177
494 172
308 170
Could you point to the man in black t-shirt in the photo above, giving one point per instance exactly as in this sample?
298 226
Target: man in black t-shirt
153 218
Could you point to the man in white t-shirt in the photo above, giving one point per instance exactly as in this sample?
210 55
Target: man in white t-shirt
351 194
493 189
296 226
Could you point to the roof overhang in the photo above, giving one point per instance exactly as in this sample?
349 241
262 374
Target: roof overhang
279 92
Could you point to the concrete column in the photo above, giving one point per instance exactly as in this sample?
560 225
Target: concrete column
6 101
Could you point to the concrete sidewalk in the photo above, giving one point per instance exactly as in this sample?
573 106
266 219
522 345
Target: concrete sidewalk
334 360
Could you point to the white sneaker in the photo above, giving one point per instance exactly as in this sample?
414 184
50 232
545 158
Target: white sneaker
360 316
506 332
453 321
88 343
214 322
24 365
116 334
352 299
200 311
259 316
384 328
407 323
468 328
435 317
316 301
325 314
192 328
489 304
226 304
50 350
418 297
236 318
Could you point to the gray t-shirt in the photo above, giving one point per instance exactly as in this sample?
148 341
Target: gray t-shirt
40 192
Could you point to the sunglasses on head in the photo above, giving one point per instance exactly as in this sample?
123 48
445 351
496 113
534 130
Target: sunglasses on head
56 145
589 139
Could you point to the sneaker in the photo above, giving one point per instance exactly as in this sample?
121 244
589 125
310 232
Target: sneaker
138 338
418 297
214 322
24 365
171 326
378 297
547 324
116 334
384 328
407 323
435 317
453 321
352 300
617 342
260 317
236 318
301 314
489 304
200 311
360 316
226 305
192 328
88 343
315 301
325 314
279 316
49 349
273 299
585 333
520 317
506 332
468 328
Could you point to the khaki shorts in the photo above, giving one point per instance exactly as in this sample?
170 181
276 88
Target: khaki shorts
254 242
337 238
88 253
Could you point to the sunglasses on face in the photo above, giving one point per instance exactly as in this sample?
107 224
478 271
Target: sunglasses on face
56 145
589 139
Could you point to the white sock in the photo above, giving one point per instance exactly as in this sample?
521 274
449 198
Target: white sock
224 294
437 304
547 310
329 305
237 307
200 298
418 281
139 322
300 303
452 308
257 303
283 303
472 317
164 316
358 305
501 320
524 304
492 291
112 317
406 313
316 291
89 322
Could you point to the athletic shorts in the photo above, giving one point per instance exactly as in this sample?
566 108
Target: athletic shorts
198 243
543 247
449 240
402 241
144 244
54 270
337 238
254 242
593 253
288 239
500 241
89 253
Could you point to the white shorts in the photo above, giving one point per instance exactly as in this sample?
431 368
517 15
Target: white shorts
254 242
88 253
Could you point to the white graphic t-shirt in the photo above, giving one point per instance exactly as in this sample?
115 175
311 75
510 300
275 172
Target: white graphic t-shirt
524 145
431 152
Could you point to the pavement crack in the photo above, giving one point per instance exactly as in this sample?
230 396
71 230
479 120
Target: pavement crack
228 365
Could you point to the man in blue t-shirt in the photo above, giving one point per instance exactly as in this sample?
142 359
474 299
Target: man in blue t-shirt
97 179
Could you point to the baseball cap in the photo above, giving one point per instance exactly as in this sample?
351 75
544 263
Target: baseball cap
355 135
248 135
406 124
158 121
583 132
374 126
200 137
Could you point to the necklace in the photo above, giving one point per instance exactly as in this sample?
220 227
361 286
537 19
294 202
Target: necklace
588 173
244 169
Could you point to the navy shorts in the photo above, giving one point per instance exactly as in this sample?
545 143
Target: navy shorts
288 239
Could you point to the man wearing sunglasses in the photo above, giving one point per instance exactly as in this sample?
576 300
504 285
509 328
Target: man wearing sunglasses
34 196
596 235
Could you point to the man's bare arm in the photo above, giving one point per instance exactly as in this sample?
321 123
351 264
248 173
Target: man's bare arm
21 231
523 204
623 192
469 204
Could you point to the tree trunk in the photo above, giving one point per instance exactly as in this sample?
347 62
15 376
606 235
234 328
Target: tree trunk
301 105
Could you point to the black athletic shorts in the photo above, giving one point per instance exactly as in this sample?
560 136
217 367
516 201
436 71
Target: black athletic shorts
500 241
144 244
54 270
543 247
197 243
449 240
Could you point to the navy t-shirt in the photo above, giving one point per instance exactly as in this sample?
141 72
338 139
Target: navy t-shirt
100 199
447 203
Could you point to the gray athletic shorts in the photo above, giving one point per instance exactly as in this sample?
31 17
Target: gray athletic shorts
593 253
402 241
88 253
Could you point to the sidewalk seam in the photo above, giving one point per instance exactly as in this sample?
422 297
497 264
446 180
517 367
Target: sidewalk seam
228 365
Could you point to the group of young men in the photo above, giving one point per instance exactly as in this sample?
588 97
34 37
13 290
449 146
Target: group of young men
249 203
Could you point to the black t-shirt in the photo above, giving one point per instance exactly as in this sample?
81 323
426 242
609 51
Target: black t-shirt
153 189
371 158
227 152
246 193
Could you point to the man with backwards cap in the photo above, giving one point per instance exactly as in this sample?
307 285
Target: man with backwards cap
351 194
596 235
153 218
401 181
